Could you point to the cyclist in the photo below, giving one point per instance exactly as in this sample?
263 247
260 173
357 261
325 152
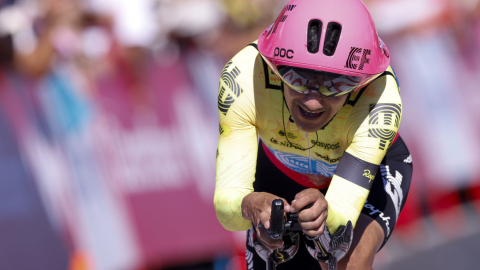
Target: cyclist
318 91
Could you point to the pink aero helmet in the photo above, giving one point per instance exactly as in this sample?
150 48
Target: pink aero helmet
326 45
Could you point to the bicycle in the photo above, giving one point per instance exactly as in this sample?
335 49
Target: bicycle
286 227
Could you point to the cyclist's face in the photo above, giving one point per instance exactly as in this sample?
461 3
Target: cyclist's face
311 111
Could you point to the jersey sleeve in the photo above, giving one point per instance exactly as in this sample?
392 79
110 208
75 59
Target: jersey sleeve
238 139
372 127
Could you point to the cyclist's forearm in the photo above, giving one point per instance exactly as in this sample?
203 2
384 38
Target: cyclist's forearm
345 202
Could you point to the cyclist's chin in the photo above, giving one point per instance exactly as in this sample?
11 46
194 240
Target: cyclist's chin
307 126
310 123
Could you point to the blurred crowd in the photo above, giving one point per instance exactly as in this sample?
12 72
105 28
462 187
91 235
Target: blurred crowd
105 102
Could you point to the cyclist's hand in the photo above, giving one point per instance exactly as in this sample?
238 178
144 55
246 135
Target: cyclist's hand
257 207
330 248
312 219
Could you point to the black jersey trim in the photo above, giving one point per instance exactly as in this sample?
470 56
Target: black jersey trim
357 171
353 102
386 72
266 72
267 78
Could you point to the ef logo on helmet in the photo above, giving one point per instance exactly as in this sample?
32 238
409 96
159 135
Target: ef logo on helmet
353 57
283 53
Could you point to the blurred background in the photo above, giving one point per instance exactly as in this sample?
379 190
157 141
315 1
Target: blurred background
108 131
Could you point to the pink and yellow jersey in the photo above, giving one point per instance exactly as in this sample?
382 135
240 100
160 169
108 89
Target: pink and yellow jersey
344 156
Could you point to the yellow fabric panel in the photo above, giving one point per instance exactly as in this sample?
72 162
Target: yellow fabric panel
238 140
345 202
345 198
384 93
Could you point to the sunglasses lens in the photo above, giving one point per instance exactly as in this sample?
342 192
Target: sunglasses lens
326 83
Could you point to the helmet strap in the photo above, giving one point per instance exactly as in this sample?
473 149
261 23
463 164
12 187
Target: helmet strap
348 98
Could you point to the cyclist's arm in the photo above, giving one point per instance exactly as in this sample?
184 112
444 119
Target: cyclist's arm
373 125
238 140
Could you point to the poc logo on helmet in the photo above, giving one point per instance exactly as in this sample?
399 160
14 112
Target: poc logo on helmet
283 53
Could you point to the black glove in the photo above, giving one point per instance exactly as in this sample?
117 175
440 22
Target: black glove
330 248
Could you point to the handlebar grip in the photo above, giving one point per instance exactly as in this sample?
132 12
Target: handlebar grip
277 219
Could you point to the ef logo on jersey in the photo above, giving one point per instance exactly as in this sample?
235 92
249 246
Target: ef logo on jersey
228 81
354 56
381 119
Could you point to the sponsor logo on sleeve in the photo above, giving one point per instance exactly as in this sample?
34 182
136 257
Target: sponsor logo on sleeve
392 185
382 118
368 175
228 81
408 159
385 219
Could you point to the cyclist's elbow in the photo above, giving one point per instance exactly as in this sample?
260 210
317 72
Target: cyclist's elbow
229 215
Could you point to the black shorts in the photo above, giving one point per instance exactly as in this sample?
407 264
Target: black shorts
384 203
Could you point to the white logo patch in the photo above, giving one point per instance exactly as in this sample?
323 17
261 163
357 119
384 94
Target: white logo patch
391 185
380 214
408 159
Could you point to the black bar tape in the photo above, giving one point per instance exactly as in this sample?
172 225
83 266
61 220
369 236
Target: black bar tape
356 170
276 219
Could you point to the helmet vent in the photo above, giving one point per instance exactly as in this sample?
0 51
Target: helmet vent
313 35
331 38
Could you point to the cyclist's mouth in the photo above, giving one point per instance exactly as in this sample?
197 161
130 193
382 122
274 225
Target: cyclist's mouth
310 114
